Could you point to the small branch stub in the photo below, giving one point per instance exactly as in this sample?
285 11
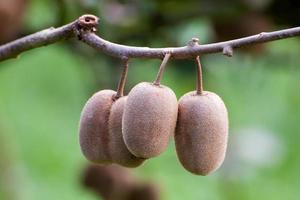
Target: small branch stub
193 42
228 51
86 23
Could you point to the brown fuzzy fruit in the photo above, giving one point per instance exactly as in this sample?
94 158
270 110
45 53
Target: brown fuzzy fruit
111 182
145 191
94 134
149 119
201 132
118 149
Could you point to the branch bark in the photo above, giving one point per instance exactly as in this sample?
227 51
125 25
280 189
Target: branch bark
41 38
84 28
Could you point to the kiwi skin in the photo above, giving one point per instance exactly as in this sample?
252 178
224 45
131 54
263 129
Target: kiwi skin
201 132
119 152
93 129
149 119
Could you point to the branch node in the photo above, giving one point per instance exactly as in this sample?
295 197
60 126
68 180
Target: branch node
228 51
262 34
193 42
166 52
86 23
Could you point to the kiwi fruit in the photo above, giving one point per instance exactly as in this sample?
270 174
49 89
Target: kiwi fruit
101 137
201 132
118 149
149 119
110 182
94 129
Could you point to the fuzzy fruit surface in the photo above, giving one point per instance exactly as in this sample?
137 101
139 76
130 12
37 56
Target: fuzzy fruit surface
201 132
149 119
119 152
93 128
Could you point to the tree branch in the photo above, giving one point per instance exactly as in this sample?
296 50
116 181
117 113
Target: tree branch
41 38
84 28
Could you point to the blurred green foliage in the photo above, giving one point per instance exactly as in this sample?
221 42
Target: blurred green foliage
43 92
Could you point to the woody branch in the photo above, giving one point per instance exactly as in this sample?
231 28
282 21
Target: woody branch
84 29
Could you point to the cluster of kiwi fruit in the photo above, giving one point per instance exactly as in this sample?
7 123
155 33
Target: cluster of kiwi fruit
127 130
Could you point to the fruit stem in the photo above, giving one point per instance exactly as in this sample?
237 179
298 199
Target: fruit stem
199 76
121 85
161 69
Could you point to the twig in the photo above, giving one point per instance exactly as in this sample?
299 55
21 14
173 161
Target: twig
84 29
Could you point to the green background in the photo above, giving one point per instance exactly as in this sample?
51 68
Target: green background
43 91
